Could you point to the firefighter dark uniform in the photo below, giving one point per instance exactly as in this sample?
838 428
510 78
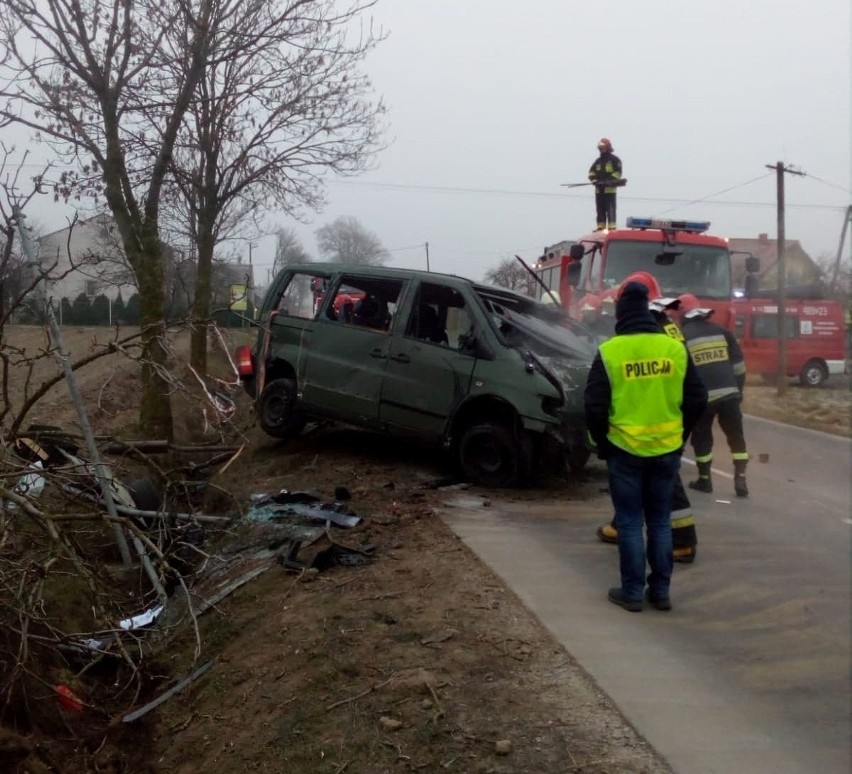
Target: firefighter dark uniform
684 534
719 361
605 169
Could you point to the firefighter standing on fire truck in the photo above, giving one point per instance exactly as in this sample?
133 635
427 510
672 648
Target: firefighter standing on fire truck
720 362
605 170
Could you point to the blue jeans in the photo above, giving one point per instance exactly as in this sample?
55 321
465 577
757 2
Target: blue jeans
641 489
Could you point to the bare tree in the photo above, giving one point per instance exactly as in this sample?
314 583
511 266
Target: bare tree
274 110
107 84
346 241
510 274
288 249
17 277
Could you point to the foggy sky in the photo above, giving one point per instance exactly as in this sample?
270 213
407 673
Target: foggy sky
493 104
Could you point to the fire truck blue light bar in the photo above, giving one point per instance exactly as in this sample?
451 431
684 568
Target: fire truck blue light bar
695 226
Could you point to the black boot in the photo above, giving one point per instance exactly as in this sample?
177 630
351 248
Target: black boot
740 486
684 543
704 483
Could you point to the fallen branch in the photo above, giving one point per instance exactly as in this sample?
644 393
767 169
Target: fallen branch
361 695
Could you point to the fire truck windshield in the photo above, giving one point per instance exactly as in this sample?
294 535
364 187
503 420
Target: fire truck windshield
704 270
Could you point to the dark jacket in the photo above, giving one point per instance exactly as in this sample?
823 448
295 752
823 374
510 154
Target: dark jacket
606 168
598 394
718 357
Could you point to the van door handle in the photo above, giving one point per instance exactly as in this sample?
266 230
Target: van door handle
378 352
401 358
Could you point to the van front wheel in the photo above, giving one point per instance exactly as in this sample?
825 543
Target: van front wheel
276 410
491 455
813 374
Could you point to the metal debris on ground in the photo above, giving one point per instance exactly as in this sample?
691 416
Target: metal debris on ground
164 697
285 505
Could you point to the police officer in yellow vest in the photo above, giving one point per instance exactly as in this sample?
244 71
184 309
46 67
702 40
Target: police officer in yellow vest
643 395
684 532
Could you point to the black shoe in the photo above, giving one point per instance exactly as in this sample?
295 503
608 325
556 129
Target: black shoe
702 485
616 596
740 486
658 603
607 533
685 555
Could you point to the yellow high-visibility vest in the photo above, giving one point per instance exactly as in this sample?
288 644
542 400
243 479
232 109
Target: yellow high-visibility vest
646 373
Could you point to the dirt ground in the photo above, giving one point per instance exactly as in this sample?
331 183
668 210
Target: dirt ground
417 658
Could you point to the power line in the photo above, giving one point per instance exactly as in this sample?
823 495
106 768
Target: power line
827 183
725 190
410 187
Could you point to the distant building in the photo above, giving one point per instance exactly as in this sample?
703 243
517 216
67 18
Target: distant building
803 275
86 258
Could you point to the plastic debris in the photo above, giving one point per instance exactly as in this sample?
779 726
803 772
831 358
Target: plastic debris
143 619
68 699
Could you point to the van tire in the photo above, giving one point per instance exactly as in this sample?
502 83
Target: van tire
491 455
813 374
276 410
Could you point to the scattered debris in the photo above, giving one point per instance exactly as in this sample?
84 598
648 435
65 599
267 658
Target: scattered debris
503 746
285 505
67 698
143 619
164 697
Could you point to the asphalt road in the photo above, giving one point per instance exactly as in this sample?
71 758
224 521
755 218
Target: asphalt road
751 670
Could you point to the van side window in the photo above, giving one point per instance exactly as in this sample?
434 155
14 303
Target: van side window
439 316
765 326
301 297
368 302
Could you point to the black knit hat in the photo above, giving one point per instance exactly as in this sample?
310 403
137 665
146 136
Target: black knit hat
632 299
631 310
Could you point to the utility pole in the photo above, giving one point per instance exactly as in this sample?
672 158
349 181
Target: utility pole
781 266
427 257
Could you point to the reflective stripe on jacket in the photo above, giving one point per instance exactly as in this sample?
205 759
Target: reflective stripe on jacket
604 169
646 373
717 356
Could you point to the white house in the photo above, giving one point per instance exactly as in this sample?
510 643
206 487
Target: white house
87 258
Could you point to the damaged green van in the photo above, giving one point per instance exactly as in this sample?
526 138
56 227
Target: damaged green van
493 377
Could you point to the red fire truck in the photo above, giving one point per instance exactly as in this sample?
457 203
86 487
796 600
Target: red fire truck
816 337
678 253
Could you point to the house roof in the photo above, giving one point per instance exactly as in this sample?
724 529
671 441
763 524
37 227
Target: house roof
766 250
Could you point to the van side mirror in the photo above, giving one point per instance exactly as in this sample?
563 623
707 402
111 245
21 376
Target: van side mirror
752 264
577 251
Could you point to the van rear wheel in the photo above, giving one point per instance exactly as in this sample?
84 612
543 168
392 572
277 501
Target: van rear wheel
276 410
813 373
491 455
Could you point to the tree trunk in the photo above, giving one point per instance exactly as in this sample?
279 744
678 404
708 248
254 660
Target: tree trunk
203 294
155 411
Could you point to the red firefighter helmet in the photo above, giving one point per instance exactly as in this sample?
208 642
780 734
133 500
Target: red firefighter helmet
690 308
604 144
643 278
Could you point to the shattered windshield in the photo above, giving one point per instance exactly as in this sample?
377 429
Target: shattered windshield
704 270
543 330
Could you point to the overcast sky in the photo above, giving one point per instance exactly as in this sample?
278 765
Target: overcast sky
492 104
